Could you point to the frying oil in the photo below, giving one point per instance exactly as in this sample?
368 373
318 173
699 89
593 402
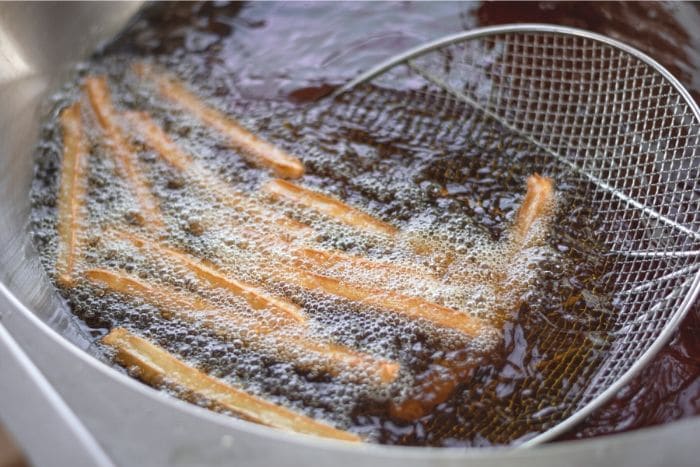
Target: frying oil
451 181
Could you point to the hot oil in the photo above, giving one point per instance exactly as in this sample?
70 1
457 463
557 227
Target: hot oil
455 194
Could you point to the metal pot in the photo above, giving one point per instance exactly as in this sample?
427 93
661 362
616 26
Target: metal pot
66 407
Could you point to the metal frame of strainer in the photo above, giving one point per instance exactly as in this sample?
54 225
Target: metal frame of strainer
682 309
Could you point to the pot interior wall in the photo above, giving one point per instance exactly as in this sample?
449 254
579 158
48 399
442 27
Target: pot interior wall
36 53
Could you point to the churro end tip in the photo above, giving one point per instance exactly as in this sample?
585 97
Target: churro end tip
293 171
115 335
540 180
65 280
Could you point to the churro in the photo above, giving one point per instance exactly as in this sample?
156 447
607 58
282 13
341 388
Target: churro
252 147
333 358
157 366
338 259
124 153
434 387
159 141
206 272
537 205
71 198
328 206
410 307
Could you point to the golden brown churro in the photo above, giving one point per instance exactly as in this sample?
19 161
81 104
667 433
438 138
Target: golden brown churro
158 140
155 137
157 366
71 198
411 307
257 298
538 204
333 358
125 156
338 259
256 149
328 206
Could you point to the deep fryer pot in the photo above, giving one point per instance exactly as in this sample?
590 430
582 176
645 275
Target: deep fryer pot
65 407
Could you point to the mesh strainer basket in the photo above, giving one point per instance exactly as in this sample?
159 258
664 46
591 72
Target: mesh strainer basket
611 118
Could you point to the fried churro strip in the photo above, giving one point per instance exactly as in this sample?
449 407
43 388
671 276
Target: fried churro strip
256 149
333 358
410 307
356 269
328 206
72 193
330 259
157 366
158 140
529 230
538 204
255 297
125 156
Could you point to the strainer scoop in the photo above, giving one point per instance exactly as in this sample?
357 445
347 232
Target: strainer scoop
599 114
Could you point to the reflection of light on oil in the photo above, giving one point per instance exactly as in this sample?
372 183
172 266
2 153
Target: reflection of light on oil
12 64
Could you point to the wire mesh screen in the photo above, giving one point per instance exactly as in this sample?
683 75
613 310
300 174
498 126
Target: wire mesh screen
592 114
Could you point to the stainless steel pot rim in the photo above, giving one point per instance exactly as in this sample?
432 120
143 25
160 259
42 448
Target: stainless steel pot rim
394 451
